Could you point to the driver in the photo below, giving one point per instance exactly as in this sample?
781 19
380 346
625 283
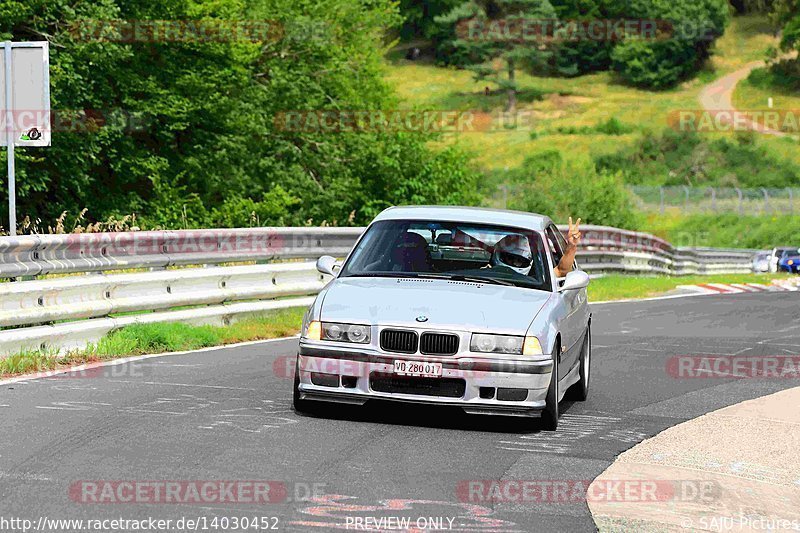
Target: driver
514 252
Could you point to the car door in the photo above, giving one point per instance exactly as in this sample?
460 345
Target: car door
572 326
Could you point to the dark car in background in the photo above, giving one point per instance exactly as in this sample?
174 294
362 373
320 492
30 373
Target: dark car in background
778 254
789 261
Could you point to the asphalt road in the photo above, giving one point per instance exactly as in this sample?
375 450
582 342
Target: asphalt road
226 415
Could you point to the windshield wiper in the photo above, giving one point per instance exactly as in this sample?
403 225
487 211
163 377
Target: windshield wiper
383 275
474 279
425 275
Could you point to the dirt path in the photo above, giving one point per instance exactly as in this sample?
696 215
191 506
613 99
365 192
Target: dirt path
717 97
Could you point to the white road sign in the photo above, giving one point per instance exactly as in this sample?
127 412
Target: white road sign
24 105
29 93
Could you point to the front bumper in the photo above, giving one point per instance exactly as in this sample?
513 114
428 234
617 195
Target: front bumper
362 367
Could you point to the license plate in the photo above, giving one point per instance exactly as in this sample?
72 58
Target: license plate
415 368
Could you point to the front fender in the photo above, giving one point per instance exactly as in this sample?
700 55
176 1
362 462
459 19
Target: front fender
547 324
314 311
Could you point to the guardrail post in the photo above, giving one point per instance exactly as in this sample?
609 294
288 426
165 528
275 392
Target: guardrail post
686 198
661 208
766 200
713 199
741 198
791 200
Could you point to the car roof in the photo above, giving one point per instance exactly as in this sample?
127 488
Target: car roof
473 215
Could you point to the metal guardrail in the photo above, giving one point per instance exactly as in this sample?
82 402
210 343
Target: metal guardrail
68 312
33 255
72 298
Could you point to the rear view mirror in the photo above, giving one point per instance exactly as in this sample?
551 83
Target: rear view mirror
577 279
327 265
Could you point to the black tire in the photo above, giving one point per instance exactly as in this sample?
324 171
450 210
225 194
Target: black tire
301 406
580 390
550 412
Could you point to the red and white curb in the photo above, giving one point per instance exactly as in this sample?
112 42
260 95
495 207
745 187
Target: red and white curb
777 285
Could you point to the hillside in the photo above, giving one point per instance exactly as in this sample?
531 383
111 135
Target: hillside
595 123
566 113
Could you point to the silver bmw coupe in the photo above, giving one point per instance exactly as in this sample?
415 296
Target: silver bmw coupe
451 306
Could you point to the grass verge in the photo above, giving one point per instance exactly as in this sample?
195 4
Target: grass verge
622 287
141 339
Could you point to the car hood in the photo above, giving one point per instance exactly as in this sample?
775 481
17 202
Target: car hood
454 305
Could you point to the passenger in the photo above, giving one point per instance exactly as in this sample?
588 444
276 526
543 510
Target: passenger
514 252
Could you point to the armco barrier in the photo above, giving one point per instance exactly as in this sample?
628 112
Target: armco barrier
67 312
77 297
95 252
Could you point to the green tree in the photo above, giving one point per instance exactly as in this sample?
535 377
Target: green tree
786 14
199 144
661 63
418 16
485 41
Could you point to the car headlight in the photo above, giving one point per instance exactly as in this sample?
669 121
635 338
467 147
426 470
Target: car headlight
791 262
311 331
510 344
334 331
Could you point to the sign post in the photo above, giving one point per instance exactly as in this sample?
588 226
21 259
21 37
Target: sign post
25 106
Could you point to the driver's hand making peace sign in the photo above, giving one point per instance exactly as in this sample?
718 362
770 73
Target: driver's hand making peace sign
568 259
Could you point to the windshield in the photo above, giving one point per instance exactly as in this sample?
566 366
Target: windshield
451 250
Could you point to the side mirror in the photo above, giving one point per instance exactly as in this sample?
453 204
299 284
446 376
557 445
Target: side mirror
326 265
577 279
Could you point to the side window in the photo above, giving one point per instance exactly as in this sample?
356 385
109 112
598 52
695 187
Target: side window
560 238
556 251
563 242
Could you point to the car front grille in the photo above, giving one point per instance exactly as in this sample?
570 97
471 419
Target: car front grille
438 344
399 341
444 387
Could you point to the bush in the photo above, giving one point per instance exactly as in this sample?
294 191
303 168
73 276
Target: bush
783 75
657 65
545 184
685 158
274 208
661 63
611 126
